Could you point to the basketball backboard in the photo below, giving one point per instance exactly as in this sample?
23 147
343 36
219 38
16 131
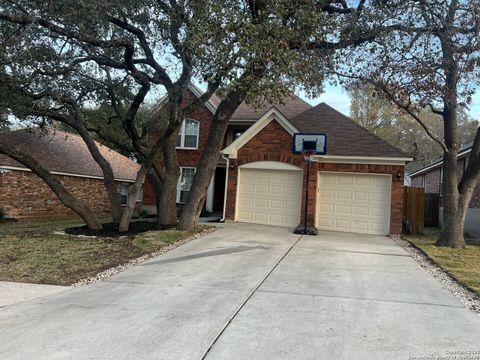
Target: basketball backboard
314 143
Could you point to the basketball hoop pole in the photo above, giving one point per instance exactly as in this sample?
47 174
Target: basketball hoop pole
308 161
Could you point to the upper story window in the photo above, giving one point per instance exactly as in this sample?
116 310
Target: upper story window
188 136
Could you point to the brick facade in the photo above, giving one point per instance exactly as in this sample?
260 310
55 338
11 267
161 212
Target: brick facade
25 195
432 182
273 143
187 157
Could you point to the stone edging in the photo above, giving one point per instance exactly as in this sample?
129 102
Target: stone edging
119 268
466 296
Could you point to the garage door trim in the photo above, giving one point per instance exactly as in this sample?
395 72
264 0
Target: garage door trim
389 197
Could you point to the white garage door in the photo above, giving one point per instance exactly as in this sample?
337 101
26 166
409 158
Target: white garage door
354 202
269 197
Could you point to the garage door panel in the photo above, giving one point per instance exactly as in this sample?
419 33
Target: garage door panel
276 204
377 227
277 190
360 210
360 226
260 203
260 217
343 209
363 181
353 202
361 196
342 224
276 198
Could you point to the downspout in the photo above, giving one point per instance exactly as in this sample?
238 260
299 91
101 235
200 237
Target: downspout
226 188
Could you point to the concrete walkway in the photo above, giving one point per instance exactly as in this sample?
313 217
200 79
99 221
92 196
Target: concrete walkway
13 292
255 292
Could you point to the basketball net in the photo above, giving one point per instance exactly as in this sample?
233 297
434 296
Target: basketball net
307 155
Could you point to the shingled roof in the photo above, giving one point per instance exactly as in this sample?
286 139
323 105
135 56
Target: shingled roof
345 137
290 106
66 153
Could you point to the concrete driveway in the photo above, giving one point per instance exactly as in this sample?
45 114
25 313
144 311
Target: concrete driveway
250 292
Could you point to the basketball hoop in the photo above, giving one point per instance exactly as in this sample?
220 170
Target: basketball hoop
308 144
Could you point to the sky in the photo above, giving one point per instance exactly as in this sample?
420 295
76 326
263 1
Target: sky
336 97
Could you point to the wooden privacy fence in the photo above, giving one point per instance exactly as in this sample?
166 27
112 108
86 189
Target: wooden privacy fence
413 210
432 208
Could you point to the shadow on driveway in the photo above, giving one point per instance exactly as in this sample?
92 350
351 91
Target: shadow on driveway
224 251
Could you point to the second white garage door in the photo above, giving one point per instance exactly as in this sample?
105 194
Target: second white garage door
270 197
354 202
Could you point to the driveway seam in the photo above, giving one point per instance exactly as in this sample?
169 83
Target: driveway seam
242 305
362 299
365 252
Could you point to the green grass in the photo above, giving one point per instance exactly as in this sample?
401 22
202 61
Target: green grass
31 252
462 264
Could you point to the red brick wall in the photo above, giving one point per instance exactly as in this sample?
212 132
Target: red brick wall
432 183
23 194
417 181
205 117
148 194
273 143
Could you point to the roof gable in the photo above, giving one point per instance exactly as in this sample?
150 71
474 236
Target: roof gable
196 91
267 118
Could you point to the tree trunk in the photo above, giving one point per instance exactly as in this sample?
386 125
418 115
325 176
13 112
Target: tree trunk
168 199
168 203
108 177
154 180
454 206
208 161
453 221
67 199
132 199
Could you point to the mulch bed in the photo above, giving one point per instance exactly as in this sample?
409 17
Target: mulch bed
8 220
111 229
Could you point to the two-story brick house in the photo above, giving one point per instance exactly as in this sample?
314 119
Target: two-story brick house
430 178
356 187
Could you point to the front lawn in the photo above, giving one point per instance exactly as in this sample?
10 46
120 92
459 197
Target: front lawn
35 253
462 264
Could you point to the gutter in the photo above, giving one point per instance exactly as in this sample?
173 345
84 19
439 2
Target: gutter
438 163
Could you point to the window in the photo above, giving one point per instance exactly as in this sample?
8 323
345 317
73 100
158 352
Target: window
423 181
188 135
124 194
237 134
185 182
124 188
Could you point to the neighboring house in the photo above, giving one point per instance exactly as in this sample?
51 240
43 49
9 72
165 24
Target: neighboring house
25 195
430 178
356 187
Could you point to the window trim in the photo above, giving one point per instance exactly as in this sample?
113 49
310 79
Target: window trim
181 133
179 182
